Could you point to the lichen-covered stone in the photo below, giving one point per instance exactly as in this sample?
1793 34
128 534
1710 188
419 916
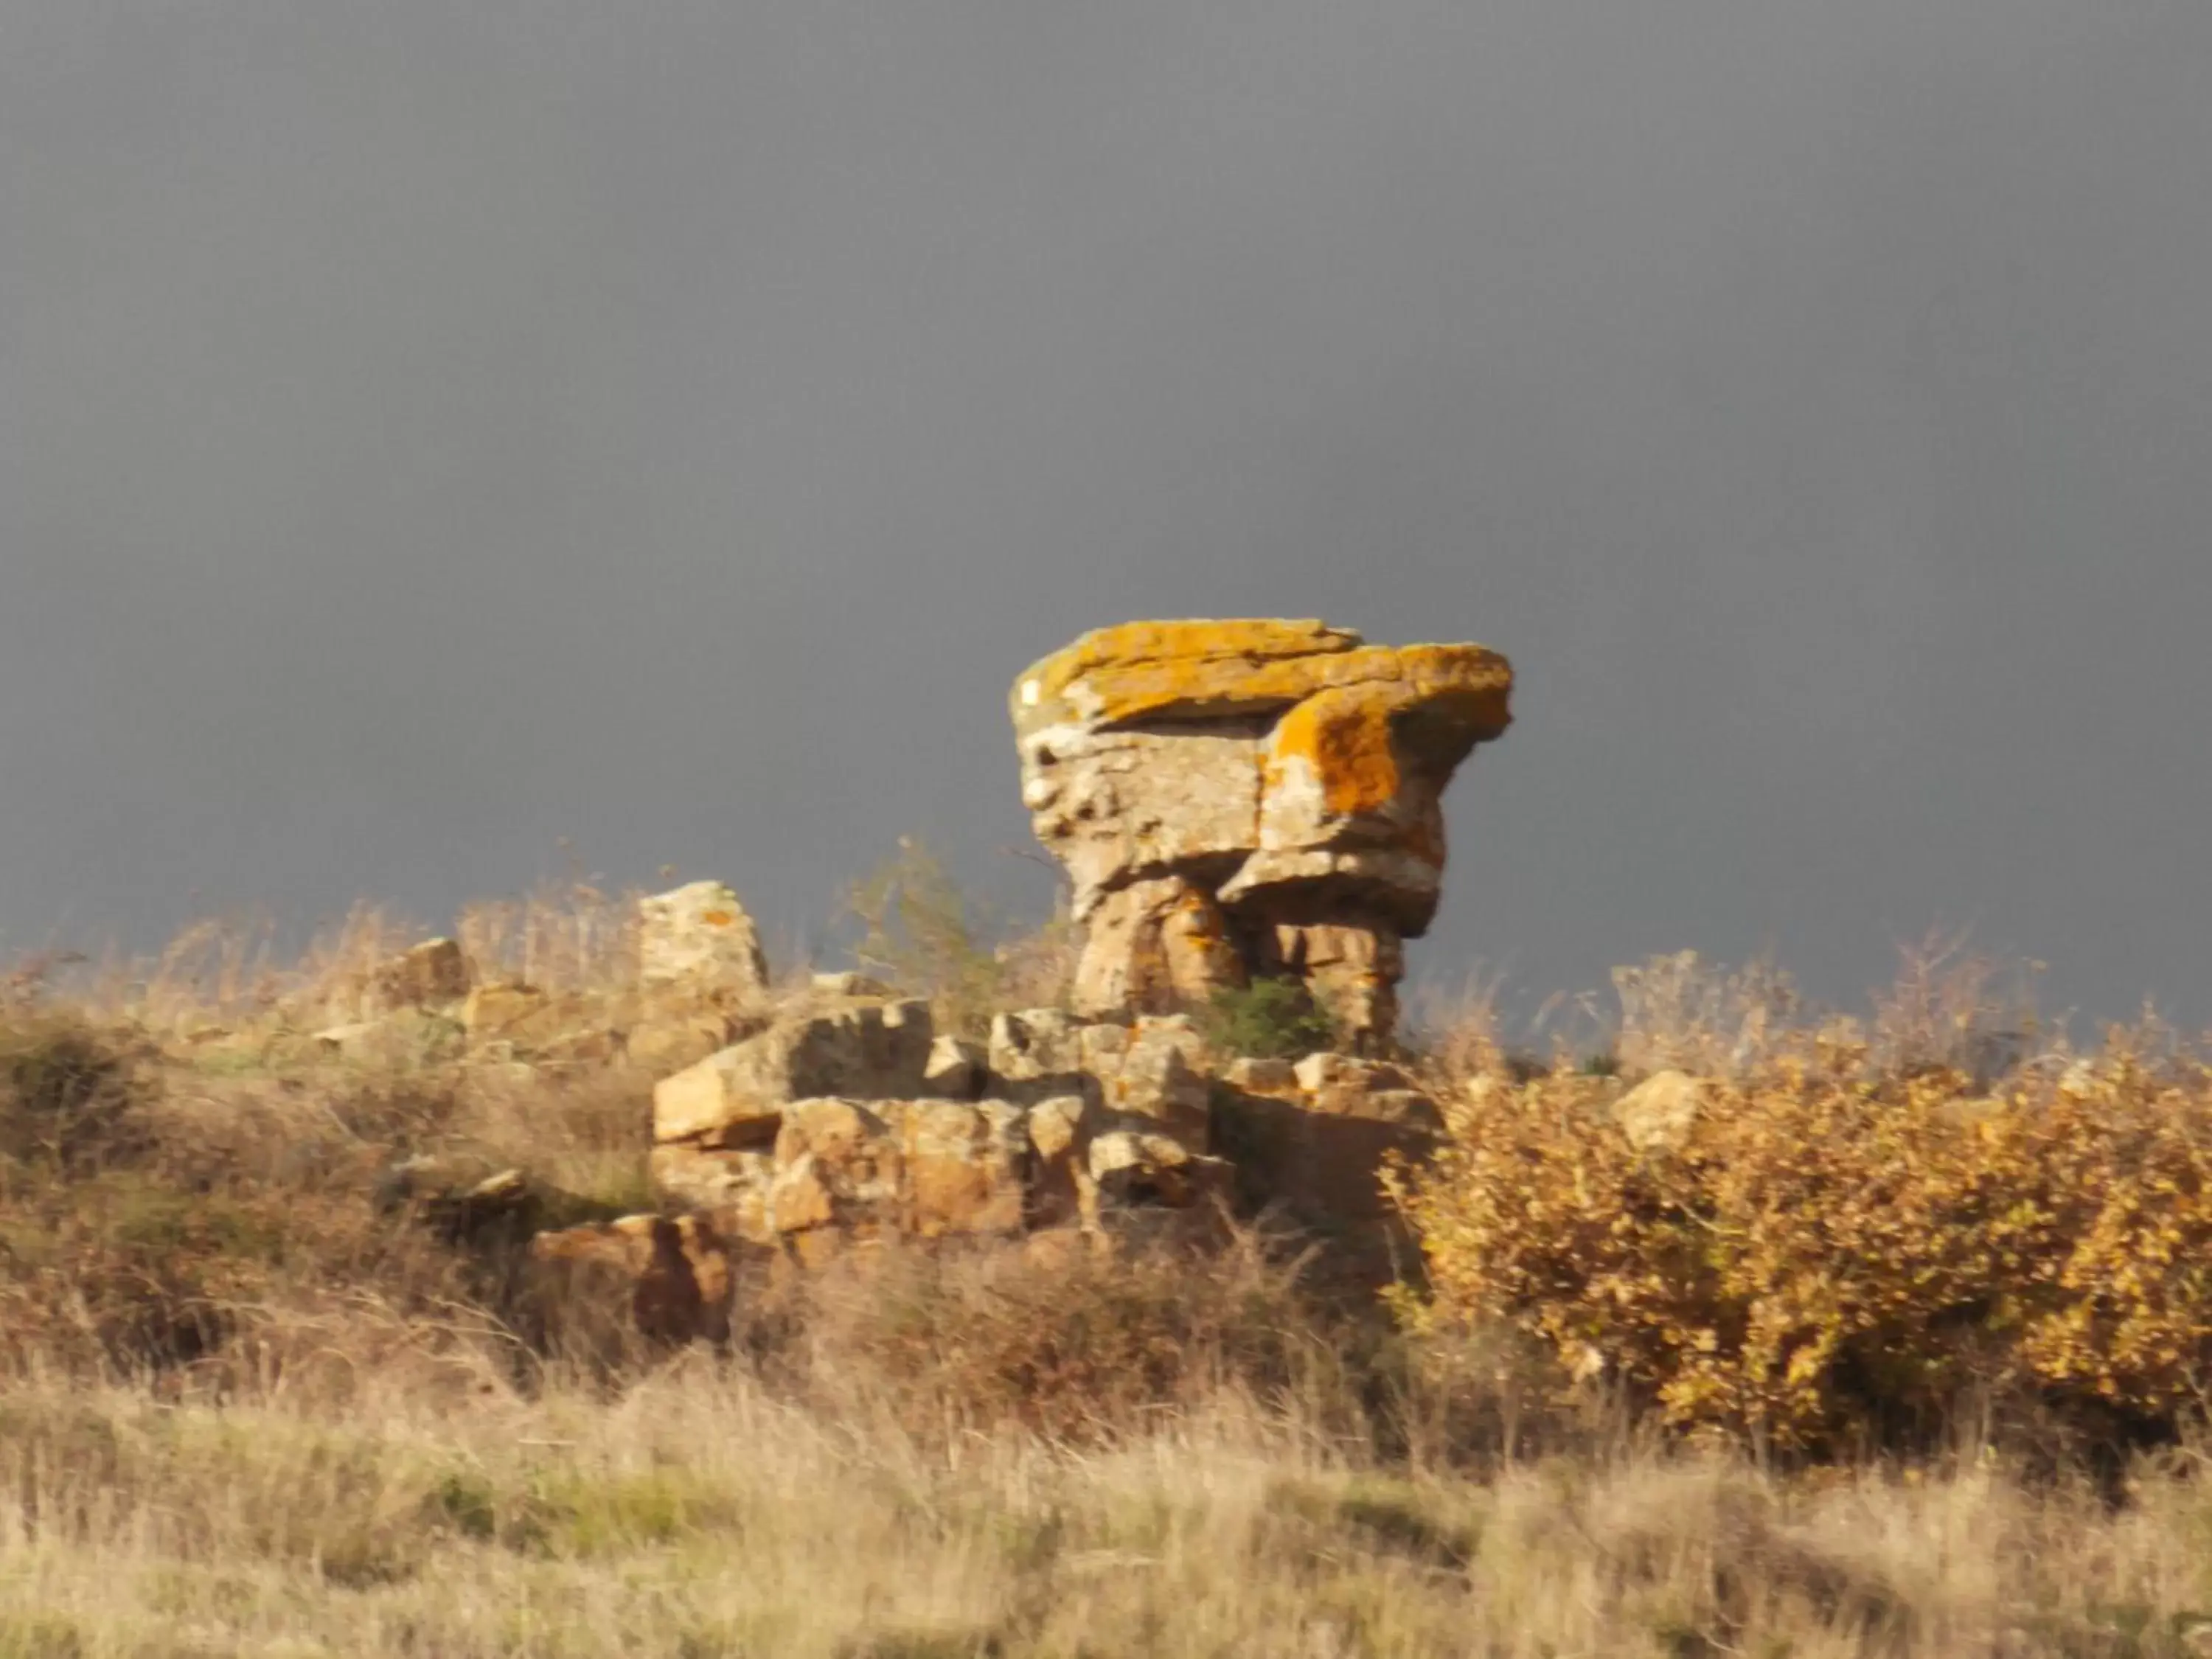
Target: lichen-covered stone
1249 797
698 939
966 1167
836 1161
1658 1114
1164 1076
730 1183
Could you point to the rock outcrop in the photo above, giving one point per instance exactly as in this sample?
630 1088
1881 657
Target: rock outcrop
1234 798
856 1121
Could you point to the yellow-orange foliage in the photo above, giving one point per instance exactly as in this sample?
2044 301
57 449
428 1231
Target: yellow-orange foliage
1823 1251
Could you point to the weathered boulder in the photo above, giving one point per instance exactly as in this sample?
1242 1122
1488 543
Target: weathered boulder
736 1097
730 1184
1658 1114
1254 797
1313 1138
967 1167
1156 1066
697 940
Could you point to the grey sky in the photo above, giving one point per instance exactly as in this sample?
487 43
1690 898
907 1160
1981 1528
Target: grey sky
429 430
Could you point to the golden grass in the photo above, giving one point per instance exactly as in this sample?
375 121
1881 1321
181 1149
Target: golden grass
694 1514
246 1407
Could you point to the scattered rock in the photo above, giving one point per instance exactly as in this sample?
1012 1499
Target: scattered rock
699 941
967 1167
871 1051
1658 1114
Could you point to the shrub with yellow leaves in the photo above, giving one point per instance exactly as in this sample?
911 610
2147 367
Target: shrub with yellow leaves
1823 1254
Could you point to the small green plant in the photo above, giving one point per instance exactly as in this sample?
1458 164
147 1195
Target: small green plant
1269 1019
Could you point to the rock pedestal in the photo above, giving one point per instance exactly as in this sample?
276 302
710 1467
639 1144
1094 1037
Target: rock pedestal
1234 798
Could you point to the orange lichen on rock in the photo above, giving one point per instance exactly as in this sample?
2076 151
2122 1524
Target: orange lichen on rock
1214 670
1344 738
1159 664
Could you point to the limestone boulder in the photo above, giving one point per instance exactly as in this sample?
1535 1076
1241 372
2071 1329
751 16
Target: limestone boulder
1658 1114
736 1097
1163 1074
1312 1138
1251 797
966 1167
838 1162
1061 1189
698 941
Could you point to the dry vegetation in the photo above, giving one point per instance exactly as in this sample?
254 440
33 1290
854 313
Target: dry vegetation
1896 1355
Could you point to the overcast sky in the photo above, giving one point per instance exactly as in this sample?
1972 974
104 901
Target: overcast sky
429 430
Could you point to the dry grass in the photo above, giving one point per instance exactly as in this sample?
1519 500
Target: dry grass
694 1514
249 1405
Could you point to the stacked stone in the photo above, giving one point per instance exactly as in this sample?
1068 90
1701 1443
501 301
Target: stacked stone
1234 799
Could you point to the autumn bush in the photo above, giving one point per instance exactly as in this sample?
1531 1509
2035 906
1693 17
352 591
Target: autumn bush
1830 1254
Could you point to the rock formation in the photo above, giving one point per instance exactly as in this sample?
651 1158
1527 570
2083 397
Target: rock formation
1234 798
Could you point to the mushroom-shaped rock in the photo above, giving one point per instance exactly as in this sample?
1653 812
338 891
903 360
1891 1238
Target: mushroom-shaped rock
1250 796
